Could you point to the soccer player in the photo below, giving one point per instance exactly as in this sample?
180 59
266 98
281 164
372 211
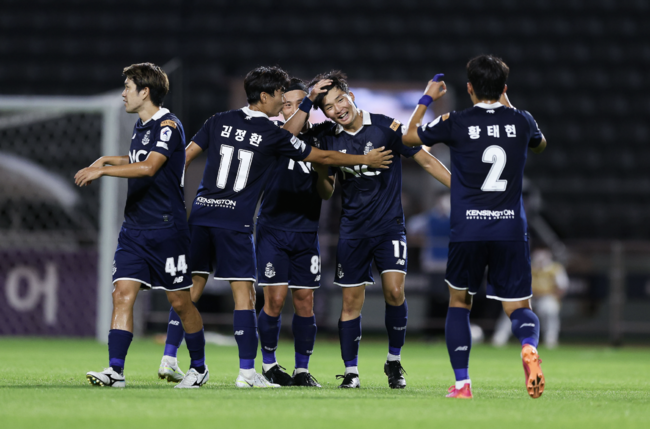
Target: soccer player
154 243
488 145
288 254
242 147
372 222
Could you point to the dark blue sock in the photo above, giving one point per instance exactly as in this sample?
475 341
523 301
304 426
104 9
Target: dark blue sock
304 338
396 317
245 327
459 341
118 345
269 330
350 337
175 334
525 326
196 345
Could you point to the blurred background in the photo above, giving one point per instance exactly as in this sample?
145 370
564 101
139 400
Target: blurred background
579 66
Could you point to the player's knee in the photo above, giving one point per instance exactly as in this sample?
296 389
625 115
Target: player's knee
123 297
304 306
394 296
273 306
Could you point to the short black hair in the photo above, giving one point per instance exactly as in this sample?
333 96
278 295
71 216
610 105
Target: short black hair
149 75
339 80
488 75
296 84
264 79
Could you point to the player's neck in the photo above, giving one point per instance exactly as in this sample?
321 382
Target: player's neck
477 101
148 111
258 107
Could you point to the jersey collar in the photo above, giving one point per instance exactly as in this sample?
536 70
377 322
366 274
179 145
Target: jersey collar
366 121
488 105
159 114
255 113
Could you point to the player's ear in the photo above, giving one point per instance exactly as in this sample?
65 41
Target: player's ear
470 89
352 95
505 88
144 92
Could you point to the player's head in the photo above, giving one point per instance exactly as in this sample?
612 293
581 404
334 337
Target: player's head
338 102
487 77
144 83
264 87
293 95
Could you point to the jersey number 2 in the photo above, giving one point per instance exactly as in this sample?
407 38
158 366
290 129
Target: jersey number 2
245 158
496 156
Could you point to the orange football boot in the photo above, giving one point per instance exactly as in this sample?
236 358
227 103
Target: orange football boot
533 370
465 392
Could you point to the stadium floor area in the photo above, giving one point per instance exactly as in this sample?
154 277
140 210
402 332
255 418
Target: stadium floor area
43 385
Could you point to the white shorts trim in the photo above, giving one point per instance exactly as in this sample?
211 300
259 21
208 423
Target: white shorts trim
171 290
135 280
459 288
355 285
509 299
303 287
201 272
393 271
273 284
231 279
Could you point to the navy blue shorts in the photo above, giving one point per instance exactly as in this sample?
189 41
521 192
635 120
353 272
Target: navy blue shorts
508 268
231 254
157 258
354 258
286 257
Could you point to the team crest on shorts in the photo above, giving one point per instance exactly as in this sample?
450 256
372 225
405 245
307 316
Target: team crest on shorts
270 271
340 272
368 148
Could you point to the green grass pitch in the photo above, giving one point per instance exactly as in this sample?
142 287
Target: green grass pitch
43 385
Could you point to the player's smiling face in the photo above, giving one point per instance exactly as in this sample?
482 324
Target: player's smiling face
133 100
339 107
292 100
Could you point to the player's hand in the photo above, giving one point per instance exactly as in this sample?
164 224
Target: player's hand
318 88
379 158
85 176
436 90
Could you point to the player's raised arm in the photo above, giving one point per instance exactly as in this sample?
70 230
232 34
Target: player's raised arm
191 152
146 168
297 120
433 166
433 92
376 158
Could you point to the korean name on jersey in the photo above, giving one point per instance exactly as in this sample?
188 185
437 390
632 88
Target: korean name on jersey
488 145
372 198
158 201
243 146
290 201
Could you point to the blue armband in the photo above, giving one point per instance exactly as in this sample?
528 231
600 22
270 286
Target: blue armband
426 100
306 105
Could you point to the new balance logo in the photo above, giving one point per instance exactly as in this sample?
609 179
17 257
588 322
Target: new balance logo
399 328
461 349
239 332
532 325
400 262
310 352
358 338
271 349
174 322
178 280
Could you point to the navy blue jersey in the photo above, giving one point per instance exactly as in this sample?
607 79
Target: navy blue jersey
291 201
372 198
243 146
488 145
158 201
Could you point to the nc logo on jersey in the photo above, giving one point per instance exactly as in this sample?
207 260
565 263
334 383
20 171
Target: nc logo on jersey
359 170
269 272
146 138
340 272
165 134
368 148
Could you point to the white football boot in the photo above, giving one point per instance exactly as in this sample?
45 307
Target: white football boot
107 378
194 380
257 380
169 370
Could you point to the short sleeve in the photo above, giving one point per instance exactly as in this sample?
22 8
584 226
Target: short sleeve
395 141
291 146
436 131
168 138
535 133
202 137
